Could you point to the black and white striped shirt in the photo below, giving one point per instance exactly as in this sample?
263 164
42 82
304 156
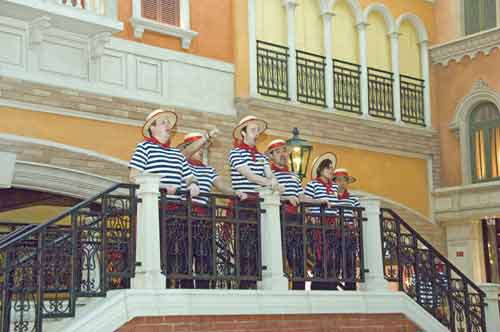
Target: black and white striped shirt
351 202
170 163
317 190
291 183
206 176
241 157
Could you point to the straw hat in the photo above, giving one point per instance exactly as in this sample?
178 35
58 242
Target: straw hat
275 144
245 121
318 160
343 172
168 115
190 138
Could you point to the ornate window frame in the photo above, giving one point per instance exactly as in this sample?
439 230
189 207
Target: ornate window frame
480 93
183 31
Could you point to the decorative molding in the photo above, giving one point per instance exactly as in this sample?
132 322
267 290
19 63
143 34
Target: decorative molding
479 93
183 31
36 31
140 24
122 306
58 180
482 42
98 43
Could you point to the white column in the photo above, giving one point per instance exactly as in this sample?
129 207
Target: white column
148 273
424 60
252 48
185 19
327 36
372 247
110 9
363 62
272 257
396 86
491 310
292 60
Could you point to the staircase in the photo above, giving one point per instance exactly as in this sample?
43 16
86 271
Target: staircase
429 278
45 269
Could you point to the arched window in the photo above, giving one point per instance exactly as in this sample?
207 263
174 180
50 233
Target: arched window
485 142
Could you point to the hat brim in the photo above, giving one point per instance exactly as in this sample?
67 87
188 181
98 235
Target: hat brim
350 179
237 130
171 117
184 145
278 147
318 160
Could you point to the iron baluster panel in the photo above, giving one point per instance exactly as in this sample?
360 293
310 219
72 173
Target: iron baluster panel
412 100
380 93
217 245
311 78
429 278
45 267
321 246
346 86
272 70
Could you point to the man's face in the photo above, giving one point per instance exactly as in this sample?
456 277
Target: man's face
280 156
161 129
327 172
198 155
342 181
250 136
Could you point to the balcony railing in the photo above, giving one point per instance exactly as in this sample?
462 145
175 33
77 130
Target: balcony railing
346 86
97 7
429 278
324 246
215 245
412 100
44 268
272 70
311 78
380 97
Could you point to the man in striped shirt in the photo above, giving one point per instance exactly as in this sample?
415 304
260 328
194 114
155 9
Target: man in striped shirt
208 178
155 155
249 171
350 202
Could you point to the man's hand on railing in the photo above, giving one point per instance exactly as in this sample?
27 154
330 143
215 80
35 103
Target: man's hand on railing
194 190
325 201
275 186
293 200
241 195
170 188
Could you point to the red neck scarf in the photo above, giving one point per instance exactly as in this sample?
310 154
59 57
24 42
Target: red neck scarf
252 149
344 195
155 141
328 185
277 168
195 162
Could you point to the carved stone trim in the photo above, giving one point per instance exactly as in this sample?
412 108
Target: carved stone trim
36 30
98 43
483 42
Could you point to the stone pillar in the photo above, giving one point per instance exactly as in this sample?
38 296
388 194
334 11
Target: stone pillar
491 310
424 59
148 273
327 40
363 62
372 247
396 86
290 6
272 257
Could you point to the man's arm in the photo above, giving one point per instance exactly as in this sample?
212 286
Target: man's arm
133 174
227 190
251 176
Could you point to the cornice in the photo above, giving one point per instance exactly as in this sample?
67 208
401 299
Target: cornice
483 42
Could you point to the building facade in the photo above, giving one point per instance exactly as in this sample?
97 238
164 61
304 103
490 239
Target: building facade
404 93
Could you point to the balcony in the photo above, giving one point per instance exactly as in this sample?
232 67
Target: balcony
83 17
274 78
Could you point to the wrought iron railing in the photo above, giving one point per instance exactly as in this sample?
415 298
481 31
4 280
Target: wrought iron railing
311 78
324 245
272 70
210 246
380 97
429 278
412 100
83 252
346 86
